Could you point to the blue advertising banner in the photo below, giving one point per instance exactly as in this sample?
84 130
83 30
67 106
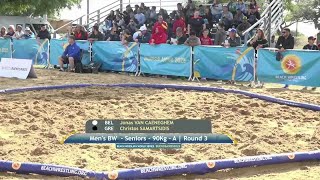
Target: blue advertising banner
224 63
5 48
165 59
37 50
57 47
297 67
115 56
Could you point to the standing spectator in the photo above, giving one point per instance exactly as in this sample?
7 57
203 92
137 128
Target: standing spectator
232 7
19 33
3 32
193 40
233 40
226 17
242 6
286 41
159 36
27 34
160 24
80 34
71 55
216 10
140 17
243 26
144 36
238 18
96 34
259 41
220 35
113 36
196 24
179 22
311 45
43 33
10 32
205 39
132 26
180 37
253 16
208 18
273 42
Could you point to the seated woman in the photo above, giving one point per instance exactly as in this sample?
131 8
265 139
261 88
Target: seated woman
159 37
259 41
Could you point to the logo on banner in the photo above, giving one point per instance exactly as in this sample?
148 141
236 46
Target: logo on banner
113 175
291 64
243 69
211 164
16 165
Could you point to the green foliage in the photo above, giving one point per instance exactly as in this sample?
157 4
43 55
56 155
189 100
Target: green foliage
35 7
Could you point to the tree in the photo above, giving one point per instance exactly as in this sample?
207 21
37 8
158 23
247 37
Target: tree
34 7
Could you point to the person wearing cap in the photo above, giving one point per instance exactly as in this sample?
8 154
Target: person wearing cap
233 40
193 40
220 36
71 55
196 24
3 32
27 34
96 35
311 45
10 32
44 33
144 36
226 17
243 26
19 33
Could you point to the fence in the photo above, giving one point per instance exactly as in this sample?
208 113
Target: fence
298 67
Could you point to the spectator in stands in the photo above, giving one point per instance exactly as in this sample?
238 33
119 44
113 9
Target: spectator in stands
160 24
253 5
179 22
253 15
226 17
242 6
71 55
202 10
273 41
286 41
144 36
143 7
85 32
132 26
216 10
153 14
243 26
164 14
259 41
196 24
318 38
27 34
193 40
136 8
189 10
180 37
19 33
3 32
80 34
96 35
111 16
311 45
233 40
108 24
208 18
10 32
121 22
232 6
238 18
140 17
43 33
180 9
159 36
205 39
220 35
126 38
113 36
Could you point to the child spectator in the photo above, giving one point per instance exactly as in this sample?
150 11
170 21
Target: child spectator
113 36
96 35
273 41
10 32
205 39
132 26
238 18
311 45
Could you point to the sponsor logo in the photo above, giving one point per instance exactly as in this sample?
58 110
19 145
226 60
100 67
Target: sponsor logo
113 175
164 168
252 159
16 165
64 170
291 64
211 164
291 156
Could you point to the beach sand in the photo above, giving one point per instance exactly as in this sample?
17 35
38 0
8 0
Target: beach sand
32 124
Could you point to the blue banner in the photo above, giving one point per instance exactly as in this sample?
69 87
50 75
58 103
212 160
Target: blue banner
37 50
295 68
165 59
116 57
57 47
5 48
224 63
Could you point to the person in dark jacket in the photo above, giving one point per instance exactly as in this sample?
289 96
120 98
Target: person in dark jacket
71 55
233 40
259 41
96 34
144 36
44 33
311 45
286 41
113 36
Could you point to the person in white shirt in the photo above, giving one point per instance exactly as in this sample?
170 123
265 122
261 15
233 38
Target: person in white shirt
19 33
